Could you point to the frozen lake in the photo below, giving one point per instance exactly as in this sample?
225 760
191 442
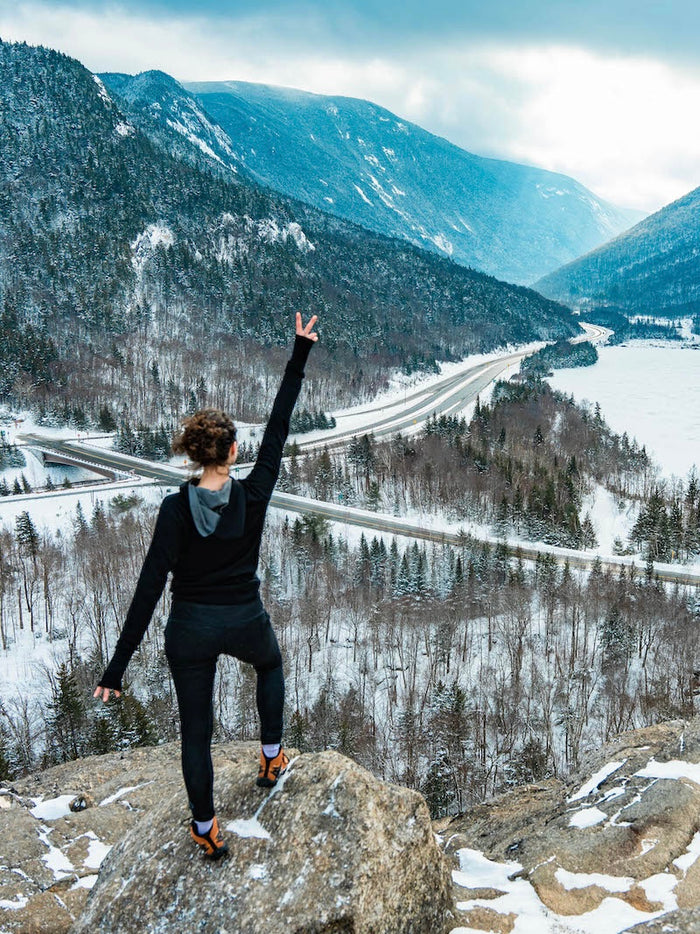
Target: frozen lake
650 391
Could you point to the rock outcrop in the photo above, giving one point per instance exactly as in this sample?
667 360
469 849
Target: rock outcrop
331 849
617 846
683 921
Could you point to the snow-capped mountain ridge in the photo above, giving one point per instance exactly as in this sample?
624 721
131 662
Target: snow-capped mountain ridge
358 160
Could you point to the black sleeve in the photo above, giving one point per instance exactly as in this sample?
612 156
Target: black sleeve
260 482
160 559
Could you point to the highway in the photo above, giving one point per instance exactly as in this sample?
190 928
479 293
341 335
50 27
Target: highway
442 397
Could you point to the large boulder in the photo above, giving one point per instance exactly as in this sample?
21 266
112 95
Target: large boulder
330 849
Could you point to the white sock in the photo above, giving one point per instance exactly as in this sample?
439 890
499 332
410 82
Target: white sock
271 750
204 826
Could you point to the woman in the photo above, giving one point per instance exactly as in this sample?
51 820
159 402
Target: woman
208 534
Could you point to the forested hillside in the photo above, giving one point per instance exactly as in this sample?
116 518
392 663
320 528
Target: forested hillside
653 269
361 162
457 671
132 280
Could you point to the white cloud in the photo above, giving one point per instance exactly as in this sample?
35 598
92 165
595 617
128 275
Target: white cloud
623 126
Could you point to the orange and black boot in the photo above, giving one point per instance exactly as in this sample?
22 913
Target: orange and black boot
211 842
271 769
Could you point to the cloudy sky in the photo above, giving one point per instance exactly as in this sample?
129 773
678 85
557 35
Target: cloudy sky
607 91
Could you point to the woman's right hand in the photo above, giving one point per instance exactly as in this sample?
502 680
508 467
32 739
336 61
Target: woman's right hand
104 693
306 331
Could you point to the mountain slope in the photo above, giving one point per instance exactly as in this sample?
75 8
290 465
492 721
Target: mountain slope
361 162
106 237
653 268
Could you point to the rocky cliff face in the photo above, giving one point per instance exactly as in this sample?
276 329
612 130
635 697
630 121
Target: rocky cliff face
334 850
615 847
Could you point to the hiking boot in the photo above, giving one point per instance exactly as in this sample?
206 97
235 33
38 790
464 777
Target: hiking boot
271 769
211 842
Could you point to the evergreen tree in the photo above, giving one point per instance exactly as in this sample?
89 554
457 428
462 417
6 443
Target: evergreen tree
27 536
67 719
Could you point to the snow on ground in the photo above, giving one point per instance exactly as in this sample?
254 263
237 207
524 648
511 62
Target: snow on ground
612 916
582 880
97 850
53 808
57 510
676 768
56 861
121 792
596 780
587 817
402 387
611 518
651 391
686 860
248 828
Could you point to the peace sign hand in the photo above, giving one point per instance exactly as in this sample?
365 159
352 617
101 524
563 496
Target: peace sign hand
306 331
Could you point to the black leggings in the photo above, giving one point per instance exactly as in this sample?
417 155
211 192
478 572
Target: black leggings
195 635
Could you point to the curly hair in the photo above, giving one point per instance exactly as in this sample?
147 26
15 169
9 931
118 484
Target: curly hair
206 437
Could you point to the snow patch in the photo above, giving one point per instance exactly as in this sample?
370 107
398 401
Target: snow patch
612 916
596 780
676 768
647 845
185 131
97 850
659 888
102 91
123 791
55 860
53 808
145 243
363 195
443 244
124 129
270 231
587 817
686 860
20 902
248 828
85 882
583 880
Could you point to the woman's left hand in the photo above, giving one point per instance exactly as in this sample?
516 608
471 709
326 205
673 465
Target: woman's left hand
104 693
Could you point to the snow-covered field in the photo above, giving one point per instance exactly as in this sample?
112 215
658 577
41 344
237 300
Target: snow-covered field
651 391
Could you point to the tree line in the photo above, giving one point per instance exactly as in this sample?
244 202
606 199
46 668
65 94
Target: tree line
456 671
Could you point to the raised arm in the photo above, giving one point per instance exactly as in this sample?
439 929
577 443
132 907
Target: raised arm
261 481
160 559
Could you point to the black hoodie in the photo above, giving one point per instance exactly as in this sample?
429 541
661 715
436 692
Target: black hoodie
220 568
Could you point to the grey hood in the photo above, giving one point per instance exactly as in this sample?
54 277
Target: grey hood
206 506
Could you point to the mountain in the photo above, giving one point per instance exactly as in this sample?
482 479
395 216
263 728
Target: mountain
119 260
361 162
654 268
